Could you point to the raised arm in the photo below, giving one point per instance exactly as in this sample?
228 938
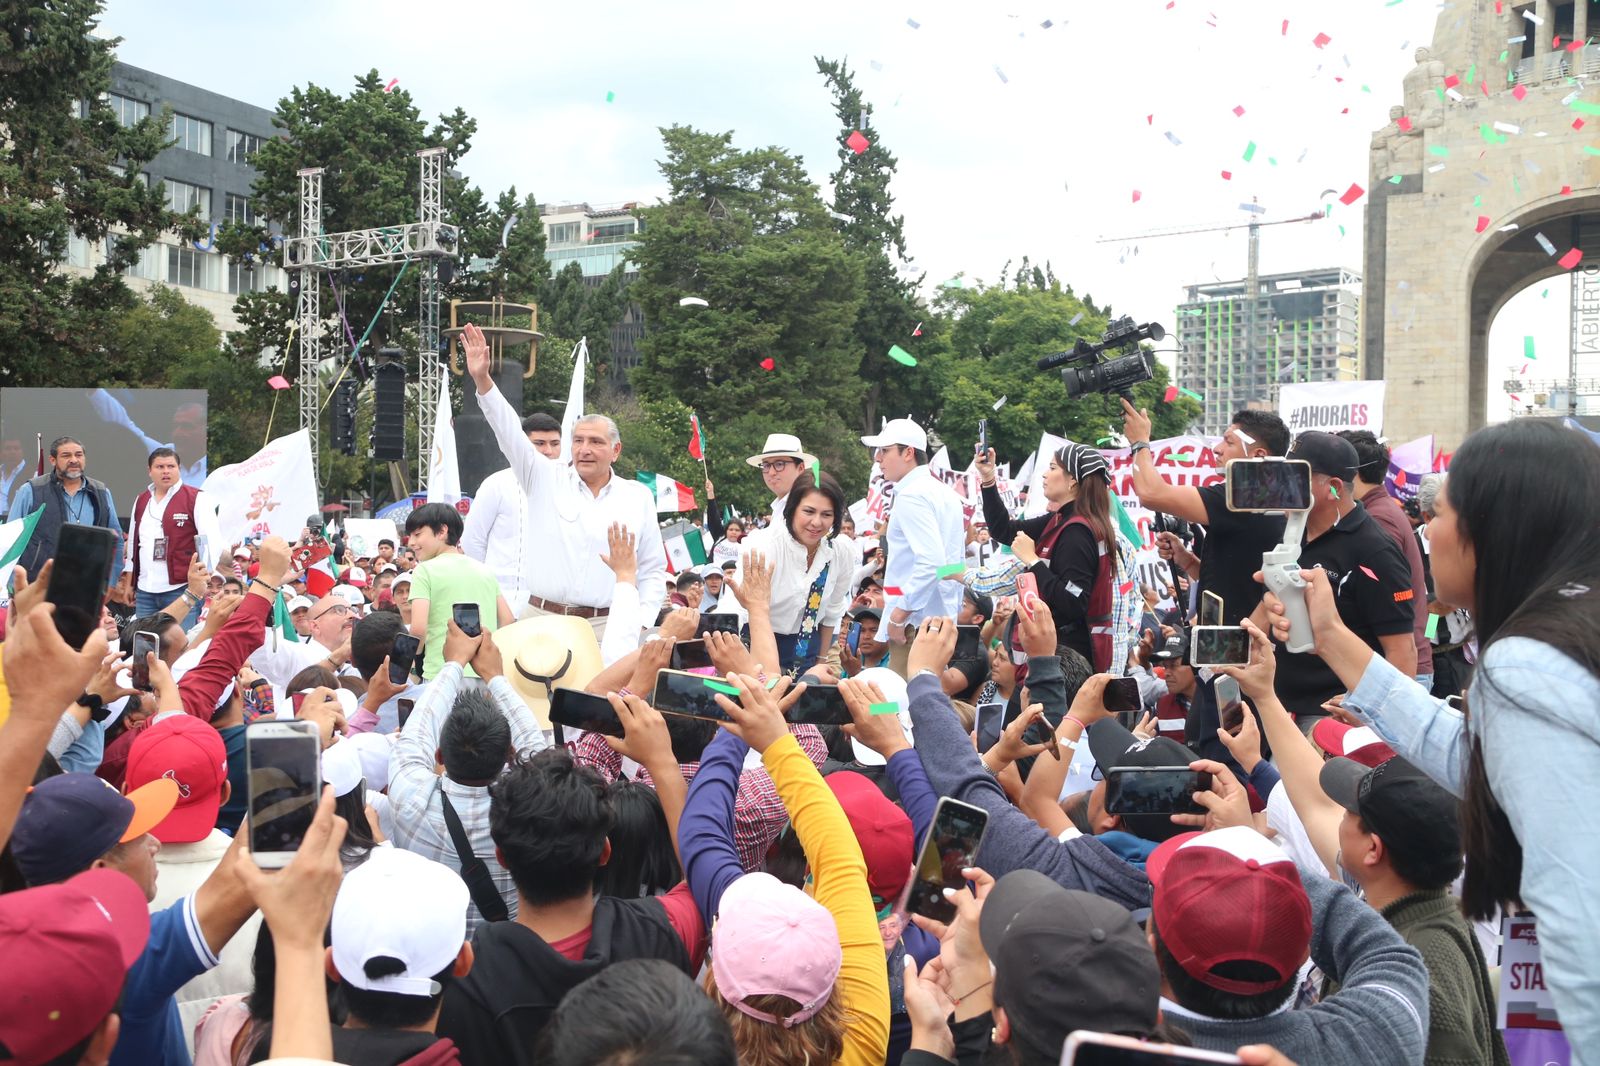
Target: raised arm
1154 492
525 459
705 832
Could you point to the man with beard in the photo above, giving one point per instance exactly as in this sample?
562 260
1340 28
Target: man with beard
68 495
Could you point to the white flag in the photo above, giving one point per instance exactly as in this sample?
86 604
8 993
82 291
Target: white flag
574 411
273 491
444 475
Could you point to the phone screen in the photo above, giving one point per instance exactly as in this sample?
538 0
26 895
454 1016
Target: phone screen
584 710
401 655
950 847
1211 609
853 640
285 778
690 655
466 618
143 645
969 646
983 437
1099 1049
1220 646
1121 694
717 622
988 724
202 548
690 694
79 578
405 707
1230 706
1154 790
1268 484
820 705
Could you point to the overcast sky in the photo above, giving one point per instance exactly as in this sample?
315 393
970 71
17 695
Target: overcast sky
1013 139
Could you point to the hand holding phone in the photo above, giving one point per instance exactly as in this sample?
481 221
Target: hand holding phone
78 580
285 778
1219 646
1028 594
144 645
466 618
401 655
1121 694
950 848
584 710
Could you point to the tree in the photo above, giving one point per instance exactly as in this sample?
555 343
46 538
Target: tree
67 165
747 232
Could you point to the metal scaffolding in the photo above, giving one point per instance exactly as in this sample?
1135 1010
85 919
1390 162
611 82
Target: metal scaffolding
313 252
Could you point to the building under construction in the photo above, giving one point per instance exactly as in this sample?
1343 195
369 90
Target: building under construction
1307 327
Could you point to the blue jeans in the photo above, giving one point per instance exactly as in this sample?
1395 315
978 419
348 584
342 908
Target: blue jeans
149 603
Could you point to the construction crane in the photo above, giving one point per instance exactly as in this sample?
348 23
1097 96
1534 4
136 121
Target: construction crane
1253 271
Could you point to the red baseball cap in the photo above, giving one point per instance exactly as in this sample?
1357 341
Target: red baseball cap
1230 895
74 943
191 753
1353 742
882 829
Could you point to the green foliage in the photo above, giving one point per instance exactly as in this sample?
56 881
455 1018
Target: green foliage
67 166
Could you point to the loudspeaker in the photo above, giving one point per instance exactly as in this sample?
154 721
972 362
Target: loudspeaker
389 413
344 416
294 285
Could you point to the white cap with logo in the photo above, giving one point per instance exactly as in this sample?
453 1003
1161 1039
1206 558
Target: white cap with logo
899 431
402 906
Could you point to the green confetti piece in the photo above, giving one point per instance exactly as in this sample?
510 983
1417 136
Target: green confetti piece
1477 201
1591 149
1396 180
1366 88
1272 161
1193 395
1512 76
1341 231
1487 132
1439 150
721 686
610 96
1102 440
1516 186
1527 348
1545 295
1186 457
1249 151
1584 107
1472 74
816 472
951 569
900 355
1433 627
885 708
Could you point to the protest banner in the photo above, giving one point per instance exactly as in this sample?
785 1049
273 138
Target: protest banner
272 492
1330 406
361 536
1527 1013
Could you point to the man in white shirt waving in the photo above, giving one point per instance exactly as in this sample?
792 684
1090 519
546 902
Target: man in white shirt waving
926 532
571 508
496 532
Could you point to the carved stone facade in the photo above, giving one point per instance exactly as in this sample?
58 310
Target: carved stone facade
1456 236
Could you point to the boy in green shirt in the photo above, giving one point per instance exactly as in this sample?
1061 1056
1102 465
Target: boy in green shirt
444 578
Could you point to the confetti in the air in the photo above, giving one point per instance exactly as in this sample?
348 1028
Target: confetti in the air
692 301
1001 402
1321 40
856 142
1352 194
505 231
914 24
1076 319
278 381
768 363
901 356
1173 137
1001 75
392 83
1571 259
1544 242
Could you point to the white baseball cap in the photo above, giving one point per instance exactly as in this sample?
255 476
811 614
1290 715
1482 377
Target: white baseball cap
399 905
298 602
404 578
351 594
341 768
899 431
893 687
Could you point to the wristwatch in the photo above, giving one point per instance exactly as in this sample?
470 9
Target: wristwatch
98 711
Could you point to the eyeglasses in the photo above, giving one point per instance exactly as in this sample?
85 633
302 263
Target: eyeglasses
770 465
338 608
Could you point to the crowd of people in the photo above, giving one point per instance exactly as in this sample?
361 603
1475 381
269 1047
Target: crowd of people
479 883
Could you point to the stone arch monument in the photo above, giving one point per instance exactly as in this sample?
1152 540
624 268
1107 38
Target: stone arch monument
1456 203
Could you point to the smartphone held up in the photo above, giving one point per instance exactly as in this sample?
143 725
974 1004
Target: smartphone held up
284 761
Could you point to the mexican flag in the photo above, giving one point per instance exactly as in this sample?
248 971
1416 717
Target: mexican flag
686 551
14 537
281 620
322 573
671 496
696 445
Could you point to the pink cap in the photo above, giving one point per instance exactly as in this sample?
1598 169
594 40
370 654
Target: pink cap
771 939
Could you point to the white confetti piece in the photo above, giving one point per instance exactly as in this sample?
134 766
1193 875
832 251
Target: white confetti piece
1509 226
1566 101
914 24
1001 402
841 216
1076 319
1506 127
1454 95
1002 75
1531 17
875 65
1247 438
1436 168
1544 242
1517 40
1173 137
692 301
1533 168
1573 589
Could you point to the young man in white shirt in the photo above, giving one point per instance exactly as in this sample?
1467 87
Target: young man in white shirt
926 532
164 532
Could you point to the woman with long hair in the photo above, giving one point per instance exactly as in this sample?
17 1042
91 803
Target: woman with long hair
728 547
1515 539
810 578
642 861
1070 551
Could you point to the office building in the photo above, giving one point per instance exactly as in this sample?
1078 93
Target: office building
1307 328
209 168
597 239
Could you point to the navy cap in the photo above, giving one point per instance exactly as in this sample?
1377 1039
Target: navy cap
70 820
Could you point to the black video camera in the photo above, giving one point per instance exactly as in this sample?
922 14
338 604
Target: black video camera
1165 523
1115 376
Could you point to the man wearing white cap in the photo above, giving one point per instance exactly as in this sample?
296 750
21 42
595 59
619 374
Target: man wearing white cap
300 615
926 532
780 461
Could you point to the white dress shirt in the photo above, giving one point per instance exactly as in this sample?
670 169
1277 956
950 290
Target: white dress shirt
496 533
567 524
279 659
792 579
10 481
153 576
926 531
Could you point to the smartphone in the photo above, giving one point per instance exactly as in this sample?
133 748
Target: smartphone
1027 593
969 645
1104 1049
401 656
202 548
1219 646
983 438
820 704
1154 790
690 694
717 622
950 846
143 645
296 699
1121 694
690 655
988 724
853 638
285 776
1230 704
466 618
1268 484
1211 609
584 710
79 579
405 707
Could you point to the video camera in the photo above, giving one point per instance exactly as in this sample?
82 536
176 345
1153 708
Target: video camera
1166 523
1116 376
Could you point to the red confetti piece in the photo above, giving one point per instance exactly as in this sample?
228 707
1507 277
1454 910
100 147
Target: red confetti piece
1368 571
1352 194
1574 46
1519 92
1286 27
1451 81
1150 120
278 381
1404 123
1172 394
1557 42
1566 190
1483 223
1227 175
392 83
1577 123
768 363
1137 195
1571 259
1171 4
893 590
918 331
857 143
1321 40
1239 111
1399 477
1497 7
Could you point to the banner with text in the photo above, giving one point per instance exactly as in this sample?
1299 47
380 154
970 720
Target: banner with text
272 492
1330 406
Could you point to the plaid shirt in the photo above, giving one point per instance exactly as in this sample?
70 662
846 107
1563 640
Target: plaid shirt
758 813
414 786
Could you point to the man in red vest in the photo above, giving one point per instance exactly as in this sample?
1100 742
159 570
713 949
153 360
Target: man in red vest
168 519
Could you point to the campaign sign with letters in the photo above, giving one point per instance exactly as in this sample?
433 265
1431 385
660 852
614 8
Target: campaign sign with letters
1331 406
1527 1013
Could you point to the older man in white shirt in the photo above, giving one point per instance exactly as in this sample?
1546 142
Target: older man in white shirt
571 509
926 532
496 529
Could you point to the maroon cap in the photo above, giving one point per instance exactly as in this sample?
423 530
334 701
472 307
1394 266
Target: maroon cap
882 829
74 943
191 753
1230 895
1360 743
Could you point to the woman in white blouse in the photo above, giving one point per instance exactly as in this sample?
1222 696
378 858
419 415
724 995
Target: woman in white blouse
810 579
